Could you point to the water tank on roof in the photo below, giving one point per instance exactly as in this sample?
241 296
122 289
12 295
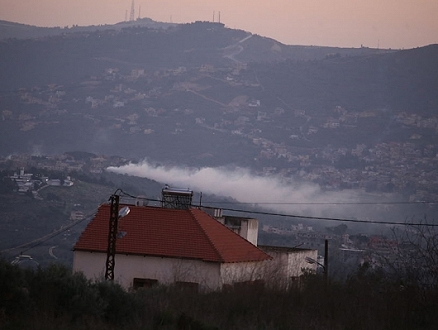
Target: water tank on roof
176 198
141 201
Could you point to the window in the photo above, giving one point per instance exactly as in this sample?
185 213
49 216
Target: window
251 285
189 286
144 283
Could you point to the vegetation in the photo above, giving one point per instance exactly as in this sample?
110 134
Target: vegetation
56 298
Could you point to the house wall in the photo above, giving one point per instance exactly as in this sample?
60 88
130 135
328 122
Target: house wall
91 264
166 270
246 228
232 273
249 230
287 265
296 262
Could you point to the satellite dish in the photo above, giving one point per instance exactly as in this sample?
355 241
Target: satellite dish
124 211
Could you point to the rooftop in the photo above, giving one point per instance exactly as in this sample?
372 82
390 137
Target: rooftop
154 231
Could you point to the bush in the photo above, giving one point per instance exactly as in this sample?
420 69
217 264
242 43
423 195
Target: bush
13 289
56 298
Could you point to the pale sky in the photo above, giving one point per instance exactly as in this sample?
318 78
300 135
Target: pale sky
343 23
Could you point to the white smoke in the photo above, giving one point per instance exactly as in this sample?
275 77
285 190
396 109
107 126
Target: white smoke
272 192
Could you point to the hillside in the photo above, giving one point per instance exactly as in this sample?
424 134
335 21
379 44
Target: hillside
398 81
30 223
12 30
77 54
202 94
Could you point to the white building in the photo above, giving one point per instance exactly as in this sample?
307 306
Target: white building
161 245
183 246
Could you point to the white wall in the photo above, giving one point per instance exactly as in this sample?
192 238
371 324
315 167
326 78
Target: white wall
242 272
250 230
297 262
165 270
91 264
209 275
247 228
287 264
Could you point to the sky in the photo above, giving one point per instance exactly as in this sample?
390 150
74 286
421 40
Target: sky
393 24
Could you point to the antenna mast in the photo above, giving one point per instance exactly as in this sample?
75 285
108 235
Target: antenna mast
131 16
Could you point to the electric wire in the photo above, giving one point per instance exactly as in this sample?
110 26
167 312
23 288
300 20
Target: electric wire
286 215
329 219
328 203
299 216
34 243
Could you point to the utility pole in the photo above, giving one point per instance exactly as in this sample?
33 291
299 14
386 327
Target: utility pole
112 237
326 269
115 215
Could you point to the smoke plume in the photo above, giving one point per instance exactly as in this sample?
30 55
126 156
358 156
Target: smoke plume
270 192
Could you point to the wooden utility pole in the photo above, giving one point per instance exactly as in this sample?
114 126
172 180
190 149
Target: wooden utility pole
326 269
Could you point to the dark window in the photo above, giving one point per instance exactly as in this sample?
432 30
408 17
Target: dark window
250 285
295 282
144 283
190 286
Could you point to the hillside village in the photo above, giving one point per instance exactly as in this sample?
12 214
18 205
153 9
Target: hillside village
405 165
198 98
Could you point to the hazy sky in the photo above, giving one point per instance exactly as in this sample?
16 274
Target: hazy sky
345 23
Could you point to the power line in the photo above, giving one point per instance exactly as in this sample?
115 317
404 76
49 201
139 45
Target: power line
298 216
328 219
123 193
45 238
328 203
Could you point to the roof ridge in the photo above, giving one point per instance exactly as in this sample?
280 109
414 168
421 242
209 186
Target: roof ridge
237 236
221 258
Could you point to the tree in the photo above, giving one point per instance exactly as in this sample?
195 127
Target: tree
416 260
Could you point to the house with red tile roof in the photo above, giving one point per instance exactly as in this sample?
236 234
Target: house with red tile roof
180 244
166 245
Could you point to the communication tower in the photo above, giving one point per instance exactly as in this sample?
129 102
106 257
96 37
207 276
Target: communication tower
131 16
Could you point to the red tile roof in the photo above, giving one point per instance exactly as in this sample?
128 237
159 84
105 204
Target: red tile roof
173 233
